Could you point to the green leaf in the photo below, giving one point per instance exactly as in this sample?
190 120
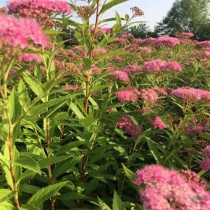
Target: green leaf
103 205
24 98
76 111
109 19
111 4
68 147
41 108
117 203
130 174
34 84
86 63
52 160
29 163
14 106
5 195
7 205
153 149
118 19
46 193
66 166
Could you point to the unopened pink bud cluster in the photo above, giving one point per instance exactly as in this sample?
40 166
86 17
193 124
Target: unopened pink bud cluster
19 32
128 126
167 190
161 66
205 164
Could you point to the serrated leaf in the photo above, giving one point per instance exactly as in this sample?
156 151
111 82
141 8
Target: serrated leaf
14 105
153 149
66 166
5 195
68 147
28 163
34 84
76 111
24 98
52 160
7 205
46 193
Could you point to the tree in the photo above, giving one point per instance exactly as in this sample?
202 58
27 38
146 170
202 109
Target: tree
140 31
184 16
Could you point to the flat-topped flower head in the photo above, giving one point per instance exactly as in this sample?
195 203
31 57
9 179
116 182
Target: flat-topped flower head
158 123
120 75
149 95
20 32
26 57
166 41
154 65
129 94
191 94
172 66
52 6
41 10
132 69
185 35
204 44
206 151
166 189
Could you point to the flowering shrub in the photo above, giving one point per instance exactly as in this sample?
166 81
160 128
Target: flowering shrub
77 119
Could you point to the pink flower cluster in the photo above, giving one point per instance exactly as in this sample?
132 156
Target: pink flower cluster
70 87
191 94
120 75
130 94
132 69
104 30
158 123
161 91
185 35
47 6
166 41
26 57
160 66
148 95
137 41
126 36
167 190
129 127
204 44
205 164
148 41
197 129
19 32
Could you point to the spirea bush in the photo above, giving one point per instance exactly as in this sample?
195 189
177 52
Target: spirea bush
106 122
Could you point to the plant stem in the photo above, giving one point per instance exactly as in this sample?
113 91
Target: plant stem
11 158
9 141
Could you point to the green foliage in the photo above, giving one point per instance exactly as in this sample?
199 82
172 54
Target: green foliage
140 31
62 144
185 16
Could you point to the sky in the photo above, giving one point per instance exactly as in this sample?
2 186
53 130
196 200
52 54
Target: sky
154 10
